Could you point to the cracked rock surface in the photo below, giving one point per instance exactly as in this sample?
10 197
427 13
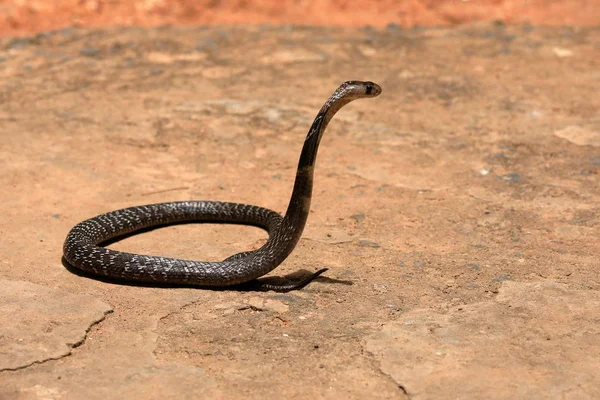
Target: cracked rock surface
534 341
38 324
464 199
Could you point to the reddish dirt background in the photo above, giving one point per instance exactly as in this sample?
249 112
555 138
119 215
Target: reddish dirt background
22 17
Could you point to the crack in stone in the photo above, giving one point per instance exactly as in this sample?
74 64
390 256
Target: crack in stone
71 347
377 367
177 311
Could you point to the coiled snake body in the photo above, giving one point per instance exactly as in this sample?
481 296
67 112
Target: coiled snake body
82 250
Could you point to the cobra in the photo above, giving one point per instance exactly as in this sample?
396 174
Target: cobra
83 246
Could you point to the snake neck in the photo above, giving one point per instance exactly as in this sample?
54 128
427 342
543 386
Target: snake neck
287 233
297 213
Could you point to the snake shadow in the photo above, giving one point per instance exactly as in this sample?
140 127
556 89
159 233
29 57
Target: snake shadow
257 285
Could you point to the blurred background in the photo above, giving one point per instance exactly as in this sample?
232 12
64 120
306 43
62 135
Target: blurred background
24 17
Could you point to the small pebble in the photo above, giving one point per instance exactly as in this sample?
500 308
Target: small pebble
358 217
368 243
90 52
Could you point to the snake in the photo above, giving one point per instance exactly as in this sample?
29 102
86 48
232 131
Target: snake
84 247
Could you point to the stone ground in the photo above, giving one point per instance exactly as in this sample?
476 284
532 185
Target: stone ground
458 212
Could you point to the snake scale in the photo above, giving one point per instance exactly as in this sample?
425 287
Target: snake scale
83 246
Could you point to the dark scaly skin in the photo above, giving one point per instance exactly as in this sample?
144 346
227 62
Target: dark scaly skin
82 251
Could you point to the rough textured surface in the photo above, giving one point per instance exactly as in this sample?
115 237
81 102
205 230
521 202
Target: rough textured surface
38 324
534 340
476 165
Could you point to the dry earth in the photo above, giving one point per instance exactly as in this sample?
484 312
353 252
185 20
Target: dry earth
458 212
24 17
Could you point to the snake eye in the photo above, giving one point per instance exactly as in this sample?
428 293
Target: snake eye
369 88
